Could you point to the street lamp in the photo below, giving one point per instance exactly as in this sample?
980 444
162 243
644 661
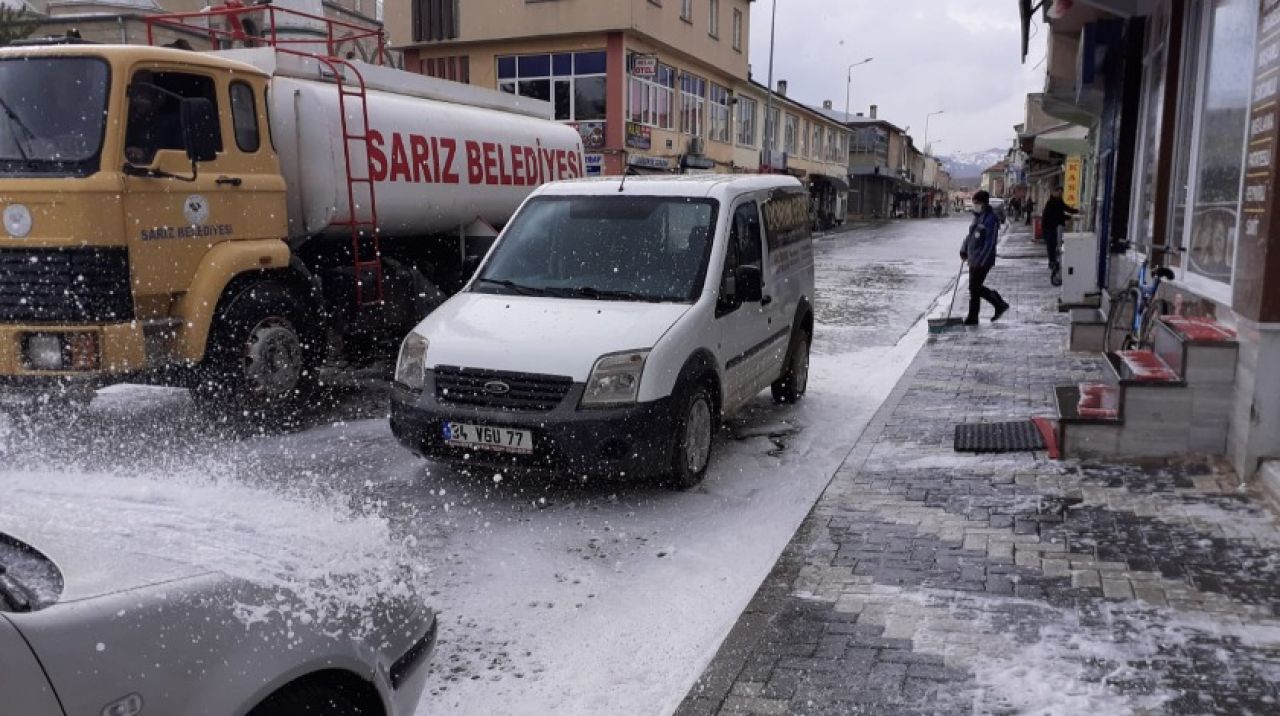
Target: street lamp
926 129
848 80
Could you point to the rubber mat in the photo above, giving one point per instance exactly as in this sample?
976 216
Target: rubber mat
1020 436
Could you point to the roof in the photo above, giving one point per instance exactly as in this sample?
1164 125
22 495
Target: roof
691 185
853 119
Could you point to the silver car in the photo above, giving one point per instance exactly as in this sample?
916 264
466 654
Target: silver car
88 631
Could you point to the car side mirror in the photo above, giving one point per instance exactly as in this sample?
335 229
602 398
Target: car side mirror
749 282
200 130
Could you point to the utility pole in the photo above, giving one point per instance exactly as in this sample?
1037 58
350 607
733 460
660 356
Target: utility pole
768 107
926 129
848 80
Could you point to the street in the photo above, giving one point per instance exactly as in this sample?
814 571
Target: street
570 596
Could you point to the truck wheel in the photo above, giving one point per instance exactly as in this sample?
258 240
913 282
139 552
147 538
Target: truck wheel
693 435
258 362
795 376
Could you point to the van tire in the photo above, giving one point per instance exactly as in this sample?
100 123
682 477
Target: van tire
793 383
695 428
260 362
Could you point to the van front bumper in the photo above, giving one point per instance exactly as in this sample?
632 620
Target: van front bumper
631 441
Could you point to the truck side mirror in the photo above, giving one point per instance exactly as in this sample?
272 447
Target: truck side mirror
749 283
200 130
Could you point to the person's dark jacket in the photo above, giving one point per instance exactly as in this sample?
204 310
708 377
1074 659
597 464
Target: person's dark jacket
1055 212
980 245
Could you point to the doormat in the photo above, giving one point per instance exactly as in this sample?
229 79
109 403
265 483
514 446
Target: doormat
1019 436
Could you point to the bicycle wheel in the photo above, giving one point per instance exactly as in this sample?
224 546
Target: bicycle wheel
1119 336
1151 313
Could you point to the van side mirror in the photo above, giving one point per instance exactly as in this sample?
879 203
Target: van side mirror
749 284
200 130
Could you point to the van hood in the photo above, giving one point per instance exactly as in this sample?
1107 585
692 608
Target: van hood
535 334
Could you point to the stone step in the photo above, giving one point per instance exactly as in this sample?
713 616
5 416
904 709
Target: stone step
1141 368
1200 350
1098 400
1088 330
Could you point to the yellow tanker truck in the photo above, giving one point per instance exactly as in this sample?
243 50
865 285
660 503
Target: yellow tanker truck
237 221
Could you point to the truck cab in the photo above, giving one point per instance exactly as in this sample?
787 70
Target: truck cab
136 183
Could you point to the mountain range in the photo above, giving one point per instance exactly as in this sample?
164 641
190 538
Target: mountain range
969 165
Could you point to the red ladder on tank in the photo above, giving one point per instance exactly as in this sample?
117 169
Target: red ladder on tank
366 245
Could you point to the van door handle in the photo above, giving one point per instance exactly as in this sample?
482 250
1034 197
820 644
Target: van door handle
765 301
233 181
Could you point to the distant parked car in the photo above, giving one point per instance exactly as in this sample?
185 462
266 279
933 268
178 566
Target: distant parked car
89 629
997 205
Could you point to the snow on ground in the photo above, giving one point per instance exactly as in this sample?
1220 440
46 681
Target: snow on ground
556 595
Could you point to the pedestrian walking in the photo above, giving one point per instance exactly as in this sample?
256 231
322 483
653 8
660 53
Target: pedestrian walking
1031 209
980 251
1052 225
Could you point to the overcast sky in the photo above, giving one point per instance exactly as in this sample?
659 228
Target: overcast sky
960 56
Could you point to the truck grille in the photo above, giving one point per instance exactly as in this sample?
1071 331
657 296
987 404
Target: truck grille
80 284
524 391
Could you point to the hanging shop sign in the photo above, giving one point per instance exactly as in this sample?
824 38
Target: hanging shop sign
639 160
639 136
1072 180
644 66
592 134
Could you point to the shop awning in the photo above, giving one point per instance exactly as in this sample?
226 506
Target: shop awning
839 183
1067 139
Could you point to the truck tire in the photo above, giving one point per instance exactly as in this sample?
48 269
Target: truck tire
790 387
260 361
694 433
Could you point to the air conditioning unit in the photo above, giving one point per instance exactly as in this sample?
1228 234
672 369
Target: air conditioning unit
696 145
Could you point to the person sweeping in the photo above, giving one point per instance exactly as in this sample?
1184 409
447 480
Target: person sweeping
979 250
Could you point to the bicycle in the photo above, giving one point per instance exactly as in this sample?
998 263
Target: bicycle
1135 308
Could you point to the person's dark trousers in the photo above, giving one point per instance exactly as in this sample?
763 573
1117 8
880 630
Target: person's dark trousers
1051 245
978 291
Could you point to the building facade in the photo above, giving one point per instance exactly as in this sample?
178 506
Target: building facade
652 86
1169 146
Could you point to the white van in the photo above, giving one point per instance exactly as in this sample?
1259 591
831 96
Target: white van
614 325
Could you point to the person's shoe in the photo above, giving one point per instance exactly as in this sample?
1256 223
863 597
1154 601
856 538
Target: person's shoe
1000 311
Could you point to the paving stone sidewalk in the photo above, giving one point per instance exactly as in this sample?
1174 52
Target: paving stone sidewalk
926 581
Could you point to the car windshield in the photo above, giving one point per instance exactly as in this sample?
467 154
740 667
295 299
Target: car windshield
52 114
629 248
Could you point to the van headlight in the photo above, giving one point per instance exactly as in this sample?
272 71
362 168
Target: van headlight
615 379
411 367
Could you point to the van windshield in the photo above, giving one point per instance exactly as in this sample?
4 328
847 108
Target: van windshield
620 248
52 114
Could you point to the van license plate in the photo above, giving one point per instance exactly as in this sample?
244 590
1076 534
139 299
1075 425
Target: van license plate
519 442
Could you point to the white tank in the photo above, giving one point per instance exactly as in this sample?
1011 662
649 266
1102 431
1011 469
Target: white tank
438 165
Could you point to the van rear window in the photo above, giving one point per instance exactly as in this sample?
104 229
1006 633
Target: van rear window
786 219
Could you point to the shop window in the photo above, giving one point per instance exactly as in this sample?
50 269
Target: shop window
574 82
693 104
1218 144
1151 121
652 99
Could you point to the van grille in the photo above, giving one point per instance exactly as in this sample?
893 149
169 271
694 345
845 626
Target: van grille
524 391
80 284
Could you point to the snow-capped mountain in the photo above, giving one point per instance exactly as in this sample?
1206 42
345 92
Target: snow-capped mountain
963 165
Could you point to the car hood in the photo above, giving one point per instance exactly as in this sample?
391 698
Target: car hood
533 334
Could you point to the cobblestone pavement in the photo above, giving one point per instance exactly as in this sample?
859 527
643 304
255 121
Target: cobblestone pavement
926 581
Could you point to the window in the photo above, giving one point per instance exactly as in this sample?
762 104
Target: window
771 129
804 138
434 20
1150 121
833 148
816 149
747 121
737 30
718 113
713 18
244 117
454 69
744 248
572 81
789 131
686 10
653 100
693 104
1218 147
154 111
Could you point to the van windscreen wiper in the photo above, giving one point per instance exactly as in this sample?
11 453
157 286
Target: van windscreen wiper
15 596
607 294
518 288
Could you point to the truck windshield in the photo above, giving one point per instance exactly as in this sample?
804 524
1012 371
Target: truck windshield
52 114
621 248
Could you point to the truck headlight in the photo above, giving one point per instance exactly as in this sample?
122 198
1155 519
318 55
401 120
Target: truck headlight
44 351
615 379
411 367
61 351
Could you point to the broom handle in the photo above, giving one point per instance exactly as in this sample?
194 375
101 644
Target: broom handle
955 290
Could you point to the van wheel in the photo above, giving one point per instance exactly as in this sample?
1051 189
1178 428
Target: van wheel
259 363
794 382
694 433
